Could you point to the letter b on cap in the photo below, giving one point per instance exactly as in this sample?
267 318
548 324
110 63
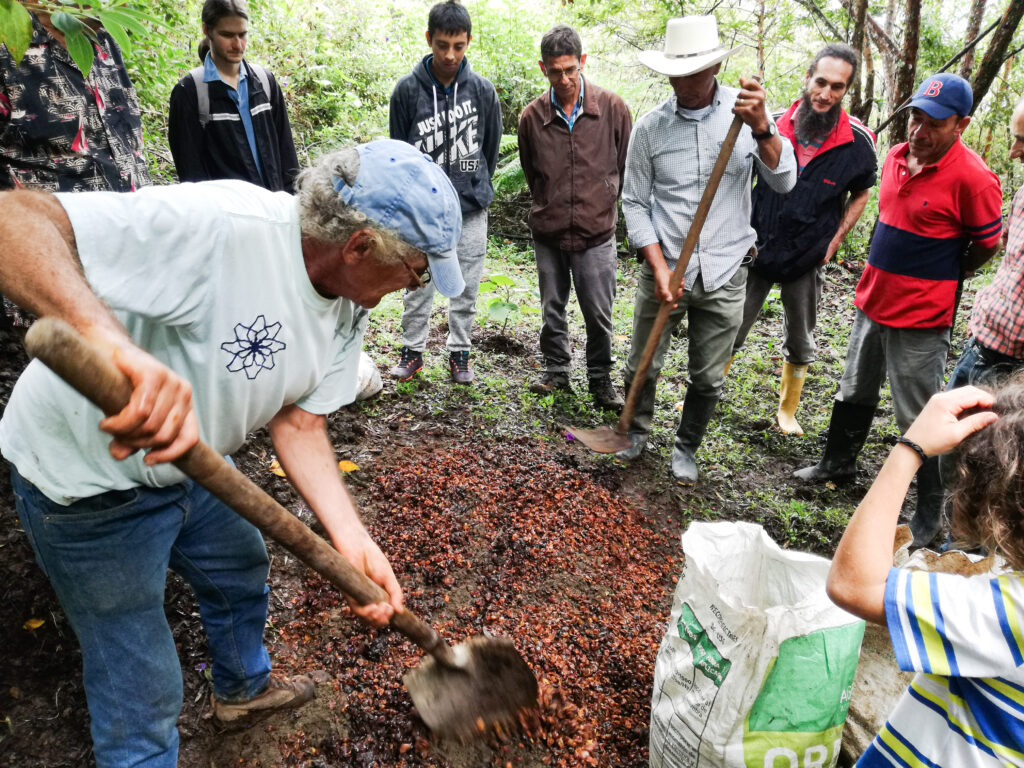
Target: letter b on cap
933 89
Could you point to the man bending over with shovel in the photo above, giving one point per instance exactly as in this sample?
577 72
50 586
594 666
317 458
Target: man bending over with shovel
259 309
671 153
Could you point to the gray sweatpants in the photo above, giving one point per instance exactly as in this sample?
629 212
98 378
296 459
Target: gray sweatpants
462 309
800 299
592 271
913 359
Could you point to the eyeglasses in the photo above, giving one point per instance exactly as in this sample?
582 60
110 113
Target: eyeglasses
558 74
420 279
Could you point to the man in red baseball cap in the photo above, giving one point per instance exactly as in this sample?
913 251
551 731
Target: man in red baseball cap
939 218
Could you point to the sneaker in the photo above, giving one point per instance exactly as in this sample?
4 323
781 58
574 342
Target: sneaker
549 382
282 692
605 395
409 365
458 364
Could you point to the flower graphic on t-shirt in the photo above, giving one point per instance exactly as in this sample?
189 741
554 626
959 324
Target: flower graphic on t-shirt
253 347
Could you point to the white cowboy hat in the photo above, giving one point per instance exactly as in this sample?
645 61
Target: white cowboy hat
691 45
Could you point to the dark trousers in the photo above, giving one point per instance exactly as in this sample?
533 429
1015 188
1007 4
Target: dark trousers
592 272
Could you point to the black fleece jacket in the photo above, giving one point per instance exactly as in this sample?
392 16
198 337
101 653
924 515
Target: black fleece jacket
221 150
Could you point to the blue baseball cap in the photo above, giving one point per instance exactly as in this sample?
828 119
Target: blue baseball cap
942 95
402 189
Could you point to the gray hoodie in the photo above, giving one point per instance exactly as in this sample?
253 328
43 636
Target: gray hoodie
459 127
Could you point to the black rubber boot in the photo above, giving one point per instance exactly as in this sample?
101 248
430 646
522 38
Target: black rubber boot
847 430
697 412
926 524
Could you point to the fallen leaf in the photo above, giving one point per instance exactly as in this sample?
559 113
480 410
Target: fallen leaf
275 467
347 466
33 624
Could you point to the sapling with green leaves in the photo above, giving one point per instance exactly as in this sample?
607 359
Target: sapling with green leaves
501 309
77 21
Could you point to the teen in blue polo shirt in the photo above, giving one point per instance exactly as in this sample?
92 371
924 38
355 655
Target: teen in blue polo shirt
940 216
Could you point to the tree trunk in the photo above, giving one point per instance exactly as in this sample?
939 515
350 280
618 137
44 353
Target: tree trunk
760 36
973 28
995 54
867 101
906 70
858 12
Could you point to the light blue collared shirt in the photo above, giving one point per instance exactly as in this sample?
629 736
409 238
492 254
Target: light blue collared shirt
576 109
670 158
241 98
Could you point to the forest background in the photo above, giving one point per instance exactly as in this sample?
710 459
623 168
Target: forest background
338 60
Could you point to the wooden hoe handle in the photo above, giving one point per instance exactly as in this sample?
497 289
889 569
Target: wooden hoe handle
96 377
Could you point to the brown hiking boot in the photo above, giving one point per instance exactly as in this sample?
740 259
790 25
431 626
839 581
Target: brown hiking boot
549 382
604 394
281 693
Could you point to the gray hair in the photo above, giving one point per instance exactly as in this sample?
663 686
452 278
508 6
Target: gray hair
324 216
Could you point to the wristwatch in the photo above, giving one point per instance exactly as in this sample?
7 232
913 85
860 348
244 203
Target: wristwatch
768 133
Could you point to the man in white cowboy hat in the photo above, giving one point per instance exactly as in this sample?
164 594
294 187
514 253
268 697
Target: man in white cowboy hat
671 154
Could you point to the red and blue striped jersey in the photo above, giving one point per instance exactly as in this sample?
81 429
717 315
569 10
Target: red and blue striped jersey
925 224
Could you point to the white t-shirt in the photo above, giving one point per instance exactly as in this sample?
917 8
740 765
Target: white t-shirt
965 636
210 279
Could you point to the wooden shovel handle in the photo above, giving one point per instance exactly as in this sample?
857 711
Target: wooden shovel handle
692 237
96 377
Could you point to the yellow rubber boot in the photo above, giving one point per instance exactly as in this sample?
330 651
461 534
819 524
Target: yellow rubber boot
789 398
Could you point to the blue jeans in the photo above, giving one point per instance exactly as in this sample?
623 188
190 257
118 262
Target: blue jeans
981 365
107 558
978 365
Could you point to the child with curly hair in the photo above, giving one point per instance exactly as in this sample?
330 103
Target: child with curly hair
963 636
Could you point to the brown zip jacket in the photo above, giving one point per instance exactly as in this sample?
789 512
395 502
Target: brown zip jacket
575 177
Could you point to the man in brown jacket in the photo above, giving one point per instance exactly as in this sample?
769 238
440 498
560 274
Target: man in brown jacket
572 144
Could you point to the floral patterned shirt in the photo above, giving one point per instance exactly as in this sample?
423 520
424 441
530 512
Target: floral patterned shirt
62 132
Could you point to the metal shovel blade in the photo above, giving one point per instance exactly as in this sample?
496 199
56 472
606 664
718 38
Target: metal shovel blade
600 440
488 687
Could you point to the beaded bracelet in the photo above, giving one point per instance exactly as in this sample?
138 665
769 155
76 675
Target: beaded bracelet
903 440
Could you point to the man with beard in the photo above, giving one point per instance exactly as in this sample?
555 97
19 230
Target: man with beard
939 218
799 231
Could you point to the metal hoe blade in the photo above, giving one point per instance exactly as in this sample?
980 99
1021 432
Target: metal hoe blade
601 439
488 687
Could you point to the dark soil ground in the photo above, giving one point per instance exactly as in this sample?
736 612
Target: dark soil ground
495 524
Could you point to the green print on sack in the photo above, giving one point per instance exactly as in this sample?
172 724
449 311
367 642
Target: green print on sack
706 657
798 716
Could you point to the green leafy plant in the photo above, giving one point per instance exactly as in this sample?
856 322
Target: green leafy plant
76 20
501 308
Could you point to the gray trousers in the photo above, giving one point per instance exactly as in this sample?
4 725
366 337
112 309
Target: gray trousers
592 271
800 299
462 310
913 359
712 320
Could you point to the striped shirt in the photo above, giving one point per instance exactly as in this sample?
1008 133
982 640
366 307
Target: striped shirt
965 636
667 167
570 119
925 223
997 321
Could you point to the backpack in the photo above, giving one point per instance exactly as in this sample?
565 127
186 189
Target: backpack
203 89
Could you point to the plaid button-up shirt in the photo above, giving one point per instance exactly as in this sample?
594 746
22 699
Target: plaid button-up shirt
667 168
997 321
